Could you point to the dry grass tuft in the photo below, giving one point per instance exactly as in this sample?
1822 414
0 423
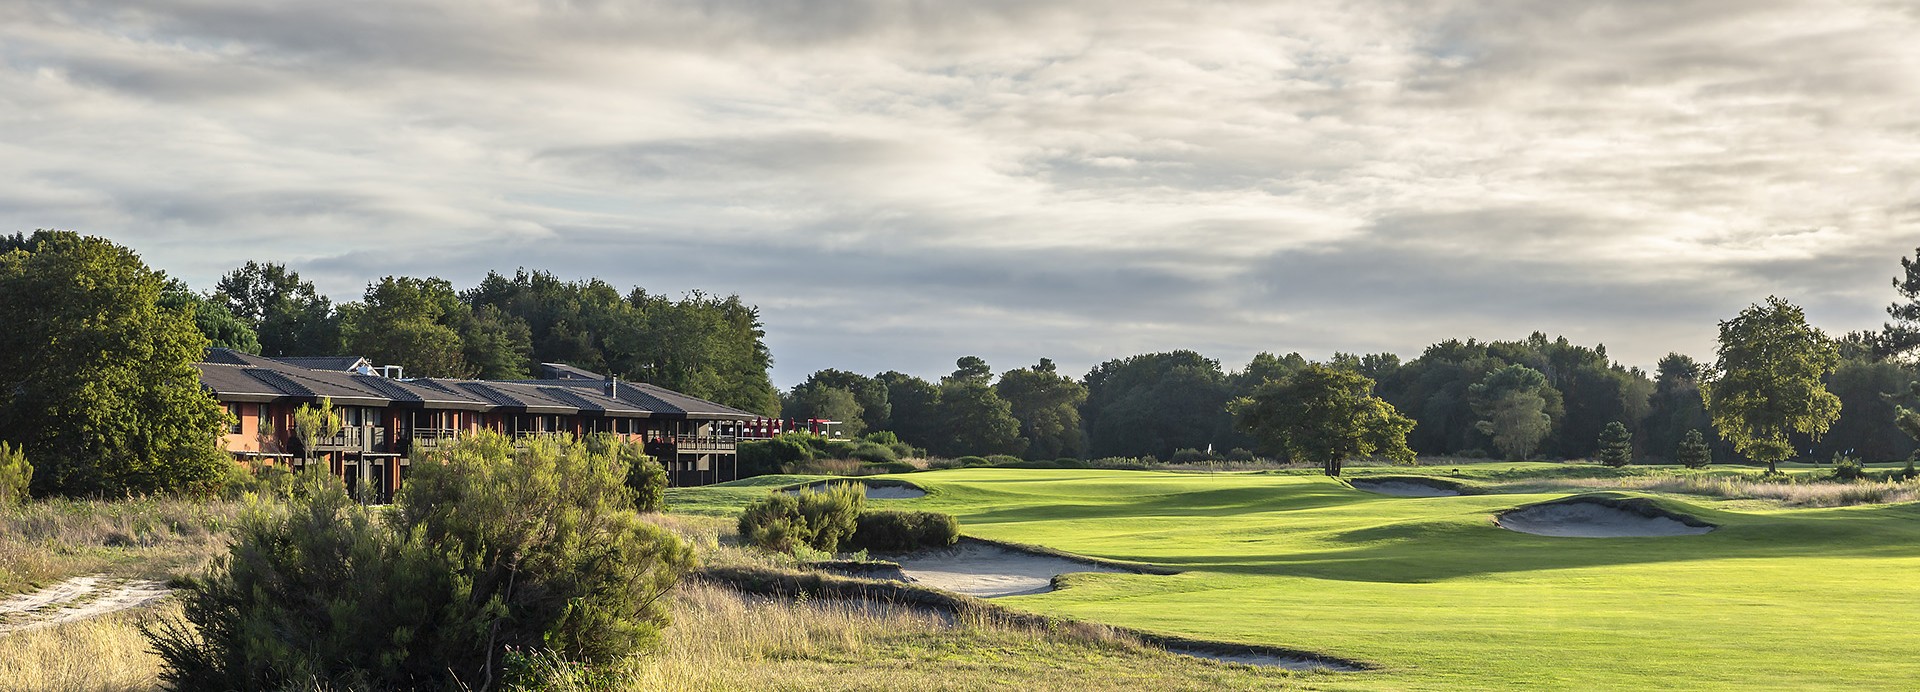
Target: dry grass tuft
106 653
153 537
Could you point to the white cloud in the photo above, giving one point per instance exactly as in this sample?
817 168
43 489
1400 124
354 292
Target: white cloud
1014 179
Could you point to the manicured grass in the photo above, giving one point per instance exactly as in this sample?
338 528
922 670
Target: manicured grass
1433 591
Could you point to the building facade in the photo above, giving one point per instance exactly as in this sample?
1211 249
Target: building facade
387 422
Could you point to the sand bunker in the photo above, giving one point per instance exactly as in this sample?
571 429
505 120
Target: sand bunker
1404 489
875 491
986 570
1261 659
1596 518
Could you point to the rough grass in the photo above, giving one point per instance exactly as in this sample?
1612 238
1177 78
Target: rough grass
107 653
1792 494
155 538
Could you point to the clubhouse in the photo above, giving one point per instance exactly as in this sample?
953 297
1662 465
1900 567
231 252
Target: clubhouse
388 421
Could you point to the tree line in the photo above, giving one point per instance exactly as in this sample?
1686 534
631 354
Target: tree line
1537 397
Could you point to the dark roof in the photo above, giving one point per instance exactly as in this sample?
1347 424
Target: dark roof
562 371
235 376
333 363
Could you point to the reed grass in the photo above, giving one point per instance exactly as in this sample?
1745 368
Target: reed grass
151 537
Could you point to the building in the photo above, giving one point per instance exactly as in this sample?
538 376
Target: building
388 421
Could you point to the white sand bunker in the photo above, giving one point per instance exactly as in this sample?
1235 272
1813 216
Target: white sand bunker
874 491
1598 519
1267 660
987 570
1404 489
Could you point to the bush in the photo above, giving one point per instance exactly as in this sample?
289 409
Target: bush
907 451
873 453
15 474
646 476
819 520
892 467
1239 454
890 531
881 437
792 447
1847 469
1190 455
491 550
1002 459
264 480
837 449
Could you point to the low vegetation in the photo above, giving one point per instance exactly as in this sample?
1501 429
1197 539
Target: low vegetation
819 520
895 531
490 552
42 541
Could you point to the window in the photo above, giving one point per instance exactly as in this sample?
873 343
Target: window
234 411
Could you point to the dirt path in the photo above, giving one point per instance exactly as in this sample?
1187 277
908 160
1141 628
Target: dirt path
78 598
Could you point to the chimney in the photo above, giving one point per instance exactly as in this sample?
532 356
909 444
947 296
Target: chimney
612 387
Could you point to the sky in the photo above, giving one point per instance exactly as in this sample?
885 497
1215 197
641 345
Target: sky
897 184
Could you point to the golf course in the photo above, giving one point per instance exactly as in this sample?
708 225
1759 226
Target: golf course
1434 594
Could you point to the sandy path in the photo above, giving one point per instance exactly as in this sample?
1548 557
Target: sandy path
1592 520
78 598
987 571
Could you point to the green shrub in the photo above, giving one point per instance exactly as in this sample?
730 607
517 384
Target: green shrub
646 476
264 480
881 437
15 474
1190 455
1002 459
838 449
906 451
1239 454
890 531
873 453
793 447
491 550
971 461
819 520
1846 468
1693 452
892 467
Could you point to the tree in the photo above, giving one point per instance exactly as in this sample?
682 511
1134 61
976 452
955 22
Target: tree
1616 445
1767 382
876 411
97 383
16 475
410 322
1153 404
290 317
1512 408
1902 336
1047 405
219 325
914 406
1693 452
1326 415
1675 408
972 418
310 423
819 401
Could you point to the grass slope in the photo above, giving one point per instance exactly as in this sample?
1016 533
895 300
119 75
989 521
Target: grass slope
1431 589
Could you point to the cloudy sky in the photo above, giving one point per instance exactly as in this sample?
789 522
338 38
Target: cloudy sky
899 183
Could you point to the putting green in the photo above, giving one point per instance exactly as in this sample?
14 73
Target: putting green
1433 591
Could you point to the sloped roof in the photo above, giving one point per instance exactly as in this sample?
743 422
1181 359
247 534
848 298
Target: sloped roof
563 371
235 376
334 363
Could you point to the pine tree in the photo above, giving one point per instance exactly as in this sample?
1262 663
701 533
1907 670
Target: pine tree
1616 445
1692 451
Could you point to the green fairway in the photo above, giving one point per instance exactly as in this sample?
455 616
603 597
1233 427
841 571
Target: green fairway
1431 590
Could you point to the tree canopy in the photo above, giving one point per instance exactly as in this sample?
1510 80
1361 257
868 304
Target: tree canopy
1768 381
104 398
1325 415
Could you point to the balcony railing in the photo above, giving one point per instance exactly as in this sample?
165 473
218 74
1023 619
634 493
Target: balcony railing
353 439
525 437
693 444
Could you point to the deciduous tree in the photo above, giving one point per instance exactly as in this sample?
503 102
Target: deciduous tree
1512 409
1767 382
1325 415
1047 405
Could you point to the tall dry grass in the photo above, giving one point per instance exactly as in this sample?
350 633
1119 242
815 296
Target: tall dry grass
107 653
1794 494
154 537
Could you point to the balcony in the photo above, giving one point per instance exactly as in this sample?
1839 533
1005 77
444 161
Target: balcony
354 439
702 444
424 440
524 438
